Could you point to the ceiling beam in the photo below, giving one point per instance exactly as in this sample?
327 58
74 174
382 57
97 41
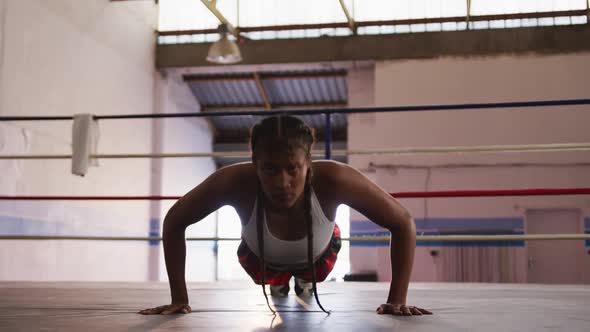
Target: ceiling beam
449 19
541 40
349 18
468 15
262 91
262 76
210 108
212 6
155 1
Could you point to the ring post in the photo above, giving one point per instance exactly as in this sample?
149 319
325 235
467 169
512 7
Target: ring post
328 136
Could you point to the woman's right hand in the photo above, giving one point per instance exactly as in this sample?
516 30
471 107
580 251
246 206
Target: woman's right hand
167 309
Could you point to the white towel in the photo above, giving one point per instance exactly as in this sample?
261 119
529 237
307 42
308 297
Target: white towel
84 143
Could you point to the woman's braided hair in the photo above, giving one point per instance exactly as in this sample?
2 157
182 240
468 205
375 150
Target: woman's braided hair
284 133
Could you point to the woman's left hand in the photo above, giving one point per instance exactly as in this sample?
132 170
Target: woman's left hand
401 310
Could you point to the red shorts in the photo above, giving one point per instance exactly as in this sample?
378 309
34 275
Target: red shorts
323 266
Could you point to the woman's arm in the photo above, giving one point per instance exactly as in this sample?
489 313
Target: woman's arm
354 189
217 190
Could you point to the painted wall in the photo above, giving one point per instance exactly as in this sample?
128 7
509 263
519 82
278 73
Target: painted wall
61 58
475 80
185 135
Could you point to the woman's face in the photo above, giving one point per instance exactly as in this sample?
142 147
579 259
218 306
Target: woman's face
282 175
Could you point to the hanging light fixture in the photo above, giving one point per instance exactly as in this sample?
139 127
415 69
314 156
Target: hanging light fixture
224 51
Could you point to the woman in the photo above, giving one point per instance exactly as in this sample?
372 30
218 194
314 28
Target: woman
286 204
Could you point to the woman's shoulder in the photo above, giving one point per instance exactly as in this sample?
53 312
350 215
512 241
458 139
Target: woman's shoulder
243 168
329 172
239 180
327 180
239 172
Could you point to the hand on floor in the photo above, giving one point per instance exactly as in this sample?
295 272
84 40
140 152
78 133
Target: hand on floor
401 310
167 309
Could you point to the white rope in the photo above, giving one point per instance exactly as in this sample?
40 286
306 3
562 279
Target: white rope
507 237
503 237
319 153
481 148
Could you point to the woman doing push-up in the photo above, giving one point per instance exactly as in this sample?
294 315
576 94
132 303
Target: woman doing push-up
287 205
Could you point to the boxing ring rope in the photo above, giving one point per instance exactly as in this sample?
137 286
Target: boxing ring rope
337 152
350 110
501 237
431 194
328 123
409 194
328 154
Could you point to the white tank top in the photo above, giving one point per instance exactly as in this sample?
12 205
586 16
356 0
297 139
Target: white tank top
279 252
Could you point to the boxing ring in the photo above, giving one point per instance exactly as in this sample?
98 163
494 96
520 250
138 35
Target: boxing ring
239 306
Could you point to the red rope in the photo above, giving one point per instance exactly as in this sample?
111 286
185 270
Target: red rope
494 193
89 198
416 194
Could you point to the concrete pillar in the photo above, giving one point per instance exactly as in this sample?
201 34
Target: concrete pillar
156 166
361 93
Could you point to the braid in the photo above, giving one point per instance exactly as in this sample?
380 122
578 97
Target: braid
309 222
259 221
282 133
